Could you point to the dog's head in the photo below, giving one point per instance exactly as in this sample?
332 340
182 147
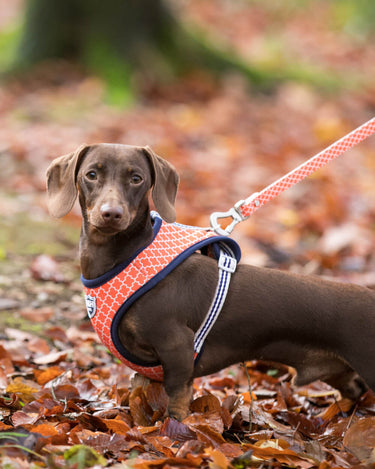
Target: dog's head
113 182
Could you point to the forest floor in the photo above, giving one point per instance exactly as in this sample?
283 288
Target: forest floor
59 387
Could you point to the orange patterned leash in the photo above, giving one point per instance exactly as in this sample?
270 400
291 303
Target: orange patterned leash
244 208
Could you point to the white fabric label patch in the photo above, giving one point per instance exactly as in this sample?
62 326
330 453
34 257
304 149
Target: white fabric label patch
90 305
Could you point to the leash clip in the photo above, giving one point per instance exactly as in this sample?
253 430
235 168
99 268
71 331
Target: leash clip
234 212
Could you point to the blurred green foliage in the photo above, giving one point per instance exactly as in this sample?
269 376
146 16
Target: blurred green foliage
128 41
23 235
355 18
9 39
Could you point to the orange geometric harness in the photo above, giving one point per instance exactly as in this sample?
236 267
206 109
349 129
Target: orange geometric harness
109 296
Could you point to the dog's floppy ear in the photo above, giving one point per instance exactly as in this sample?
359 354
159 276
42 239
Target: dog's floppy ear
165 185
61 182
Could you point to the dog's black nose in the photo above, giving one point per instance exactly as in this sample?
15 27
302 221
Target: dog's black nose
111 213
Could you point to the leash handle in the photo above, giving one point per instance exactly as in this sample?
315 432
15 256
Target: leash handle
244 208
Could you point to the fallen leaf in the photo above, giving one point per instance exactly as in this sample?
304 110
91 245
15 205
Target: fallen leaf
45 429
222 383
206 403
157 398
44 376
39 346
117 426
3 379
45 268
65 392
280 451
37 315
25 389
52 357
177 430
359 439
22 418
219 460
247 399
190 461
84 456
12 402
140 410
213 419
4 353
208 435
341 406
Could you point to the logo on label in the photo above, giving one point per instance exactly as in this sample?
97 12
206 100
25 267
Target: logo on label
90 305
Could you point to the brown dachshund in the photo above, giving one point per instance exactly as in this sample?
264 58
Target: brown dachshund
325 330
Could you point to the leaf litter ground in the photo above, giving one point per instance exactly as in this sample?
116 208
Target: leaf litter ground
65 402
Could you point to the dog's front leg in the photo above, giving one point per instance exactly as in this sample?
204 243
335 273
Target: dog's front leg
176 354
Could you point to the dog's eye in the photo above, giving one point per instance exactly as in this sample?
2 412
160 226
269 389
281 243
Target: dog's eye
91 175
136 179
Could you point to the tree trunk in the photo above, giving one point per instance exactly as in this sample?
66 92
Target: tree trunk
134 34
72 29
122 39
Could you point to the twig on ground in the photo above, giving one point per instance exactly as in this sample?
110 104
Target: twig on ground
251 397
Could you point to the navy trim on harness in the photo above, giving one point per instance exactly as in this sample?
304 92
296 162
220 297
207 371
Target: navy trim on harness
219 246
99 281
154 281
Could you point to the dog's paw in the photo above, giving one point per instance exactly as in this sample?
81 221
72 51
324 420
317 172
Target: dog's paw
352 388
178 414
179 404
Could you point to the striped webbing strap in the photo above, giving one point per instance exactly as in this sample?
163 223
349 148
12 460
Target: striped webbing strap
110 296
227 265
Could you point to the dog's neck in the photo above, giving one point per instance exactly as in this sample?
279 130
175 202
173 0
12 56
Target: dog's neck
100 253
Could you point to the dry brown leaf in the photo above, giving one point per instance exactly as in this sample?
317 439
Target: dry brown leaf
206 403
4 354
341 406
37 315
66 392
307 425
163 445
104 443
157 399
57 333
263 418
190 447
45 268
140 410
12 402
25 389
117 426
213 419
208 435
176 430
45 429
219 460
3 379
7 366
359 439
222 383
22 418
4 427
279 450
190 461
44 376
52 357
247 399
